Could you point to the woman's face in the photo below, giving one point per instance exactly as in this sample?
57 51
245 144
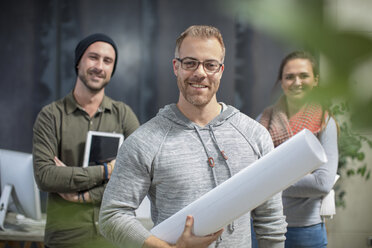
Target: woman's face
298 79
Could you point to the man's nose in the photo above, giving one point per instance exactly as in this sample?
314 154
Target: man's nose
200 71
99 64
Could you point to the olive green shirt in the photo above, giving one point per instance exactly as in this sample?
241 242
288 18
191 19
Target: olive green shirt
60 130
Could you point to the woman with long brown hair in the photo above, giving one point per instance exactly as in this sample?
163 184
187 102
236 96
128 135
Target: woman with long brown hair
294 111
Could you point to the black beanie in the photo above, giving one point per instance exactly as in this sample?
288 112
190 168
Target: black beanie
86 42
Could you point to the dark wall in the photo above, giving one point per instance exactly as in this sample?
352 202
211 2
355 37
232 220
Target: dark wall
38 38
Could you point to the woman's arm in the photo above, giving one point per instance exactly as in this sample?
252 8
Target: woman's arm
320 181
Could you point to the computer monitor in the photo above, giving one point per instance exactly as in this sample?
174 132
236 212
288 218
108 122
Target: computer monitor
19 192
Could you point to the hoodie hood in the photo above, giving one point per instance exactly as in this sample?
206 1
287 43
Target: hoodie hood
173 114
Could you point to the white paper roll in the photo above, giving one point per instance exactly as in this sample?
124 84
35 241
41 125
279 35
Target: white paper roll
247 189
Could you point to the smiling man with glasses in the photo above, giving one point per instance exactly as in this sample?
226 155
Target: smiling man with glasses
185 151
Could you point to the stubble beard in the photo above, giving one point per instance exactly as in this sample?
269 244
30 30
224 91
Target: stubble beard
197 100
94 88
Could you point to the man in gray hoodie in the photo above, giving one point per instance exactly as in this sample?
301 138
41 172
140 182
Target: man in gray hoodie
187 150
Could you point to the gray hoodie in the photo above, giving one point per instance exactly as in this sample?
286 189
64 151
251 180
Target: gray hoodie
168 159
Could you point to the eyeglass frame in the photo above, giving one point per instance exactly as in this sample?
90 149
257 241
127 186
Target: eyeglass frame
200 62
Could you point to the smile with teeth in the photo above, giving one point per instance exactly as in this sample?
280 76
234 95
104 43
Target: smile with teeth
297 88
298 91
198 86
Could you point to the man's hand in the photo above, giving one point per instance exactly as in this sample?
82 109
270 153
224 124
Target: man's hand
72 197
110 167
59 162
187 239
76 197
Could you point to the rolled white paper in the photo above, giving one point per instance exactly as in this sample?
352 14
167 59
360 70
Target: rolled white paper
249 188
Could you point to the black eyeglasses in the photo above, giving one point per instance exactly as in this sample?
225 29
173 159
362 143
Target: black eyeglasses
190 64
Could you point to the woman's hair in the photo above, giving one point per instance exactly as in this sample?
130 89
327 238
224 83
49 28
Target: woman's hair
299 55
200 31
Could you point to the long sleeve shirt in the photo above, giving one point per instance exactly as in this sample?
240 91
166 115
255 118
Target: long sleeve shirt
60 130
302 200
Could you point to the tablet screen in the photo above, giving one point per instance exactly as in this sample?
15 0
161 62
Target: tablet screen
101 147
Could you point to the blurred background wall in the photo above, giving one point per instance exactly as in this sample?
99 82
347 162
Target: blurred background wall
38 38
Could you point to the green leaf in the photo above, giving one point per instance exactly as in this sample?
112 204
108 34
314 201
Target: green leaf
360 156
350 172
362 170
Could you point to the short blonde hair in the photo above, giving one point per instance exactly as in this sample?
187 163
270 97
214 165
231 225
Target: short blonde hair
200 31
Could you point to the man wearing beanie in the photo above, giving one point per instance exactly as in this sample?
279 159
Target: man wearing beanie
60 131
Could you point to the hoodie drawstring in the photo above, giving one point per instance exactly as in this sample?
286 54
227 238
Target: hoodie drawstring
210 158
230 227
221 151
211 163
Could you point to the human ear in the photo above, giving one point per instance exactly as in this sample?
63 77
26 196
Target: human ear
175 67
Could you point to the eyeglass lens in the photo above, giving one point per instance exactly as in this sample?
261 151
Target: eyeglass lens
192 64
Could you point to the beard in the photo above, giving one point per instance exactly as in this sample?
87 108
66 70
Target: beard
92 85
194 98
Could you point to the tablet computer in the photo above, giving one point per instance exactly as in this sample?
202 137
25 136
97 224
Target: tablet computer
101 147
